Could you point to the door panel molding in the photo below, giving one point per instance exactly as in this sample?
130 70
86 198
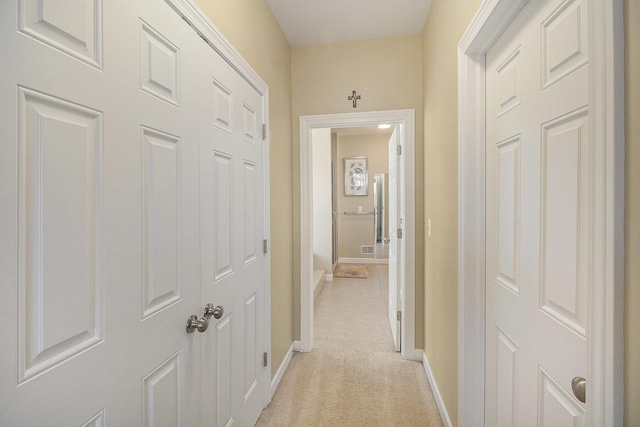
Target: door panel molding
605 313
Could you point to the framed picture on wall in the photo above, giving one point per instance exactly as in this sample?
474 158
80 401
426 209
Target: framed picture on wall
356 180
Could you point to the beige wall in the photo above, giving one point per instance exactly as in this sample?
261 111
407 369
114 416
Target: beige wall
387 73
632 213
252 29
356 230
322 206
447 21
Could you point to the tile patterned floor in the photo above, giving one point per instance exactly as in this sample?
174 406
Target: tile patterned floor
351 314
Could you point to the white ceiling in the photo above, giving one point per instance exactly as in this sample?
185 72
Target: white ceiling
313 22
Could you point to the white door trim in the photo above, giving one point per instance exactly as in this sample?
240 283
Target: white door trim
606 100
405 120
205 28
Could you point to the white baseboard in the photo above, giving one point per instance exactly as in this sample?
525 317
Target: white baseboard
275 382
318 289
297 346
362 261
328 277
436 393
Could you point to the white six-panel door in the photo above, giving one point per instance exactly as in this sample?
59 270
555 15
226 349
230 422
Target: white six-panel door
539 192
232 217
100 118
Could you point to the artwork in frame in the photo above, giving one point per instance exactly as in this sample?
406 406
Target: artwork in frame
356 180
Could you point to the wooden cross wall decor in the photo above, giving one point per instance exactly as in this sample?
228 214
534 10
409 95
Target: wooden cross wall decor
354 98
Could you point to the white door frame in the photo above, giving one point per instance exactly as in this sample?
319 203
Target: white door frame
405 120
606 105
205 28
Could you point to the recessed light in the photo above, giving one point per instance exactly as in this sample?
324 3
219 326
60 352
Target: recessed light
384 126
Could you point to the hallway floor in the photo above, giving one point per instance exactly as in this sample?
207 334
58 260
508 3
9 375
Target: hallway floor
351 314
354 376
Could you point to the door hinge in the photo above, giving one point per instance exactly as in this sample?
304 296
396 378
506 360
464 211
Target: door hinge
399 316
399 150
399 233
265 359
264 131
265 246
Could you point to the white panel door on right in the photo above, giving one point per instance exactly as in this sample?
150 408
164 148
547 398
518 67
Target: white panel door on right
539 188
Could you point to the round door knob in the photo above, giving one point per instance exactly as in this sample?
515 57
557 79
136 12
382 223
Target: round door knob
216 312
194 323
579 387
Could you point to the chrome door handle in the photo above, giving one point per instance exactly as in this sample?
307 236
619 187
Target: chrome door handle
216 312
194 323
579 387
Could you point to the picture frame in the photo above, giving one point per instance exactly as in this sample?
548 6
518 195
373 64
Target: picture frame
356 178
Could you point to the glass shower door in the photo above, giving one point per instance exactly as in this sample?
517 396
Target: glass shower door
378 199
334 215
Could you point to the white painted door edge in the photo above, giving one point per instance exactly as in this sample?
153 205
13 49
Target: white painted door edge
606 53
405 119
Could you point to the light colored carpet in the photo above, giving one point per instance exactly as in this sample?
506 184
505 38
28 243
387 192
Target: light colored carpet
355 271
350 388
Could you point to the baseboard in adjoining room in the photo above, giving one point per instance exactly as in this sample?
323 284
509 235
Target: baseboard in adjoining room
362 261
275 381
319 279
446 420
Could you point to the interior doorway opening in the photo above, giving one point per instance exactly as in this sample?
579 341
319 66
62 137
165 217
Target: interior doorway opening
404 122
